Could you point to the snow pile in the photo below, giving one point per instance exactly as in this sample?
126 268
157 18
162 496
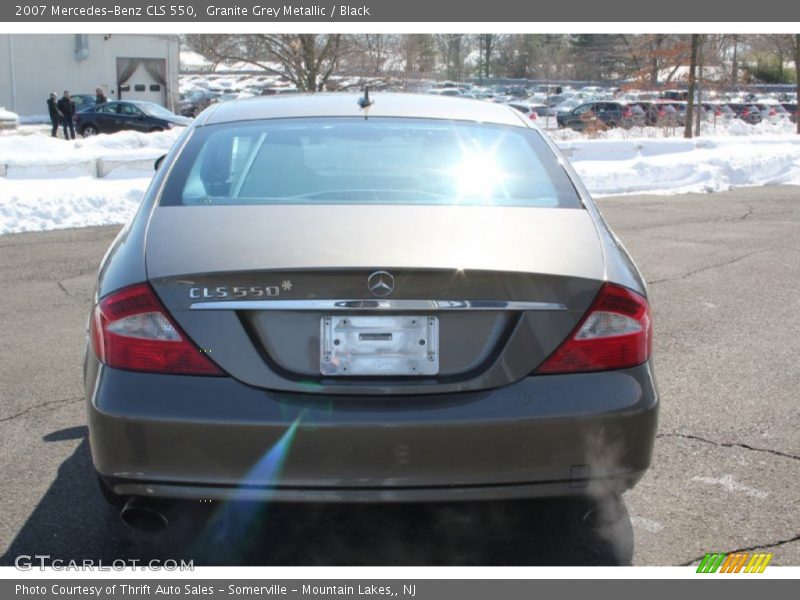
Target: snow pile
38 146
48 183
37 155
41 205
675 165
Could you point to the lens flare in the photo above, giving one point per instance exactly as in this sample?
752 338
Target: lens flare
237 516
477 175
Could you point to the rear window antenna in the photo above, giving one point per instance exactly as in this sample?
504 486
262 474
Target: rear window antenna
365 101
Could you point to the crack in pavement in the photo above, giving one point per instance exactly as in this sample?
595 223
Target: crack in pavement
689 436
747 549
38 406
707 268
734 219
63 288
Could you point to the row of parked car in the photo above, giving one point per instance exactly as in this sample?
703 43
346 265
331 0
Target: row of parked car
669 113
591 107
579 110
193 102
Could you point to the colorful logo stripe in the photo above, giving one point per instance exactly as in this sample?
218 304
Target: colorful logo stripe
736 562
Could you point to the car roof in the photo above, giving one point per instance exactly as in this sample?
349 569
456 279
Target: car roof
527 104
425 106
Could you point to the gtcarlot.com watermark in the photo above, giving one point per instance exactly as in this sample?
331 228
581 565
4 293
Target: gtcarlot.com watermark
27 562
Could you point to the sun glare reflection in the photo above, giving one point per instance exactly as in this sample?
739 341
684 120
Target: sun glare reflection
477 175
237 518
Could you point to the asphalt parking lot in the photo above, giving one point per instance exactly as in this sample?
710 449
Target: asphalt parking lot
723 271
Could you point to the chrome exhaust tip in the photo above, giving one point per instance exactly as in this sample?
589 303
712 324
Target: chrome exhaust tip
143 515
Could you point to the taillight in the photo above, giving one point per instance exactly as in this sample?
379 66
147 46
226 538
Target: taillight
627 113
718 113
745 112
131 330
532 115
615 333
772 112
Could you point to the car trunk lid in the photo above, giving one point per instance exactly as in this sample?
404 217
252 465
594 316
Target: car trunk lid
252 286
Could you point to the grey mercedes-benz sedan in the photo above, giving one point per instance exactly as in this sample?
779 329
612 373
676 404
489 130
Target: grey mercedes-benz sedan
344 298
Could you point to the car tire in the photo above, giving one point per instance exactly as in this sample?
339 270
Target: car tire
89 131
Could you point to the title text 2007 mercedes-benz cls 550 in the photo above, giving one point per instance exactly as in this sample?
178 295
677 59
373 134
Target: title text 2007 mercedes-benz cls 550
353 298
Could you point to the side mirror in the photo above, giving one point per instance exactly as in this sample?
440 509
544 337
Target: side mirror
158 162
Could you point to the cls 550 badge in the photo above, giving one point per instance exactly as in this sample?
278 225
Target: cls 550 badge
236 291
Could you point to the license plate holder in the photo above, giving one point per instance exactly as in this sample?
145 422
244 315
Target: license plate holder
379 345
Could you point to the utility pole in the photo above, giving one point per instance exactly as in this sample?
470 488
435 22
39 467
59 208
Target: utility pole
699 85
687 130
797 72
12 71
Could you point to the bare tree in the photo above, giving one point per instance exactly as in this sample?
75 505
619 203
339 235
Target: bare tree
603 56
486 46
307 60
657 41
418 53
453 51
780 46
735 60
374 55
553 54
516 56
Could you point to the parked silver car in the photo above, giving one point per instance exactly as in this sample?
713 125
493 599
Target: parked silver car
335 298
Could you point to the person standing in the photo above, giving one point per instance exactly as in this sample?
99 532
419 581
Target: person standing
55 114
67 108
100 96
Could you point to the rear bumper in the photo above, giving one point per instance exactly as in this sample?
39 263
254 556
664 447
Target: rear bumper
215 438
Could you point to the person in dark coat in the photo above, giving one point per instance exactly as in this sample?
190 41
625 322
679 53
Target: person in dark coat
100 96
67 108
55 114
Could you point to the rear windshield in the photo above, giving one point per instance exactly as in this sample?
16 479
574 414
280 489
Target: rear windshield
154 110
371 161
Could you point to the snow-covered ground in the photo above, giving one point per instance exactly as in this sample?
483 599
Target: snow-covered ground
44 204
30 152
50 183
734 155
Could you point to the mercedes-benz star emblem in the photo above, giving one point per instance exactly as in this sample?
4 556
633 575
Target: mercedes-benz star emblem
380 283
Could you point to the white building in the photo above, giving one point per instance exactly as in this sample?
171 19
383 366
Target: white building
134 67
